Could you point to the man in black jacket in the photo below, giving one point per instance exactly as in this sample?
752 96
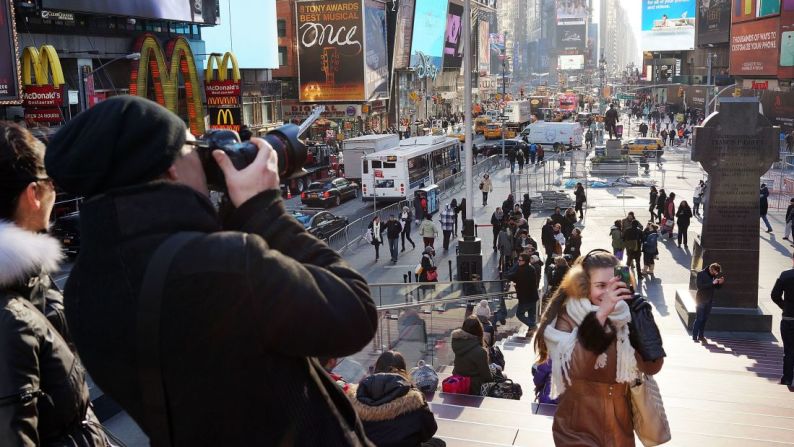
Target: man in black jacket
708 280
393 230
783 296
246 306
525 278
547 239
789 218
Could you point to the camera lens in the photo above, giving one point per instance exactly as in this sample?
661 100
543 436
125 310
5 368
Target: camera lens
291 151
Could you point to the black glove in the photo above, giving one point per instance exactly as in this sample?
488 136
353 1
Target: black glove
643 333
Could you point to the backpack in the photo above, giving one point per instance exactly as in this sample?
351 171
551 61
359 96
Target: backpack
649 246
424 377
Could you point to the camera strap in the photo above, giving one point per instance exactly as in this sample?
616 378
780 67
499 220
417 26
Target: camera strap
155 408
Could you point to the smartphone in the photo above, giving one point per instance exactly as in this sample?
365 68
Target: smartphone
624 273
787 49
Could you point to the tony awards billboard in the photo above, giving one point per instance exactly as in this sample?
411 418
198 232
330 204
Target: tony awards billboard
333 61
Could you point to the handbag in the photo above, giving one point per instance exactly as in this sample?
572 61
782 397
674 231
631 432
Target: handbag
643 332
432 275
368 236
456 384
502 390
648 415
419 269
424 377
481 185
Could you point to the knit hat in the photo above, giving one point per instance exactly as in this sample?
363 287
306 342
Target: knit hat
122 141
483 309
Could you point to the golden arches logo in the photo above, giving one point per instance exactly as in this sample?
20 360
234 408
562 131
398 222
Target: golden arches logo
165 69
41 63
223 67
225 117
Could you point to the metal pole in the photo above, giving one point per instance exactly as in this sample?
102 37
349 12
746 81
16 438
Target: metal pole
707 106
467 128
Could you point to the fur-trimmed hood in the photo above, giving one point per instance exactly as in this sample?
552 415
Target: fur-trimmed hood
464 342
24 254
384 396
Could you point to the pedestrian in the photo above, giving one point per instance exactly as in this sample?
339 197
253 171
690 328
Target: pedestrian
525 280
581 199
533 153
455 210
496 224
541 154
392 409
783 296
462 209
376 235
511 157
650 249
406 220
547 239
663 134
447 225
520 159
616 233
632 241
708 280
471 354
526 206
428 231
661 200
505 244
652 196
569 222
765 206
669 215
789 218
585 331
559 240
557 216
573 247
486 186
557 272
419 212
44 397
683 215
509 204
393 230
790 141
700 189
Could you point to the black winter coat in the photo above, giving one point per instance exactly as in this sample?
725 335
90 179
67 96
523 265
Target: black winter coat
236 355
526 206
43 394
471 359
526 281
684 215
705 286
394 412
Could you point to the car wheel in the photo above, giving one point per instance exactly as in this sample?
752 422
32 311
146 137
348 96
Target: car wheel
337 201
320 236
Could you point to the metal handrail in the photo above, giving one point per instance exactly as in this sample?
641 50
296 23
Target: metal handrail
506 295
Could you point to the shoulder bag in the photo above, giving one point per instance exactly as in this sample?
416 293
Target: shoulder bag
648 415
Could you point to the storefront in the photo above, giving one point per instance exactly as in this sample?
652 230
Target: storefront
338 122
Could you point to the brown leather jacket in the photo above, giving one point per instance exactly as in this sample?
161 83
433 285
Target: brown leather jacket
595 410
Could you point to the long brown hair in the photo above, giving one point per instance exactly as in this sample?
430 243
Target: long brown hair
473 326
391 362
576 283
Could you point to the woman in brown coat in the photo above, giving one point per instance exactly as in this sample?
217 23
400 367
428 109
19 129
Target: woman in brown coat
584 331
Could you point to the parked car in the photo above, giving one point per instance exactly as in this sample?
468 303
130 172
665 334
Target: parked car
329 193
495 148
66 229
321 224
650 147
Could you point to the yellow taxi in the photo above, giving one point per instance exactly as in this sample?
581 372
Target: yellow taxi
493 131
650 147
457 132
480 123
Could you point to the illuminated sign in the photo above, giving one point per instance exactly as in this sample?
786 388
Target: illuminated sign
667 25
223 94
10 83
38 67
425 68
165 69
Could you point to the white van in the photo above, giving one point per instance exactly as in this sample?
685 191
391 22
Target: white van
553 133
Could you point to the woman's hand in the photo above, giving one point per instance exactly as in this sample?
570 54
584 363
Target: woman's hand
616 291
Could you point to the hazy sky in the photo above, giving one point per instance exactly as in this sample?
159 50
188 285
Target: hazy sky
634 10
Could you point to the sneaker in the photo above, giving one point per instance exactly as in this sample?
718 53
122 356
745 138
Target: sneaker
786 238
784 381
769 230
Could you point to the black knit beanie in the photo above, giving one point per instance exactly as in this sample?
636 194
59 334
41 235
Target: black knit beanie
122 141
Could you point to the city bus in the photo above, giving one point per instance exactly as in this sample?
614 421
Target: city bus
394 174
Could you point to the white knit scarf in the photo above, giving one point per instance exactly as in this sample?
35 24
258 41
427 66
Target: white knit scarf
561 344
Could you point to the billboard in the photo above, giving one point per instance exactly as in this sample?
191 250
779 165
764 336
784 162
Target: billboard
668 26
427 44
571 62
787 40
484 49
714 22
572 11
743 10
199 11
768 7
376 68
330 50
754 47
224 96
779 108
10 87
571 37
402 35
453 38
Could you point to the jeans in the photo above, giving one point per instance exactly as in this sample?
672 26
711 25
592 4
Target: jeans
484 198
447 234
696 210
525 312
682 230
788 229
393 244
787 334
702 312
634 257
766 221
406 234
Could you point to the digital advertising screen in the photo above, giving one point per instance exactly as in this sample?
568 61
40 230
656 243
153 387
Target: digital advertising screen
754 47
787 40
744 10
572 37
571 62
453 38
330 36
484 49
430 24
376 62
572 11
9 79
714 22
668 26
402 34
199 11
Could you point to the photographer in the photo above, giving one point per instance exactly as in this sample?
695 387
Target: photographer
244 305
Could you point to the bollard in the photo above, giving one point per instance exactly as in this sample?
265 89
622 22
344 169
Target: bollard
405 279
450 269
409 277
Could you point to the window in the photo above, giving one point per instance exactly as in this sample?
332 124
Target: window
281 26
364 167
282 56
389 165
384 183
376 164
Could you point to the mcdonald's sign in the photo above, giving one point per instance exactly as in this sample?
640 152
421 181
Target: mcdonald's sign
42 84
165 68
223 94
